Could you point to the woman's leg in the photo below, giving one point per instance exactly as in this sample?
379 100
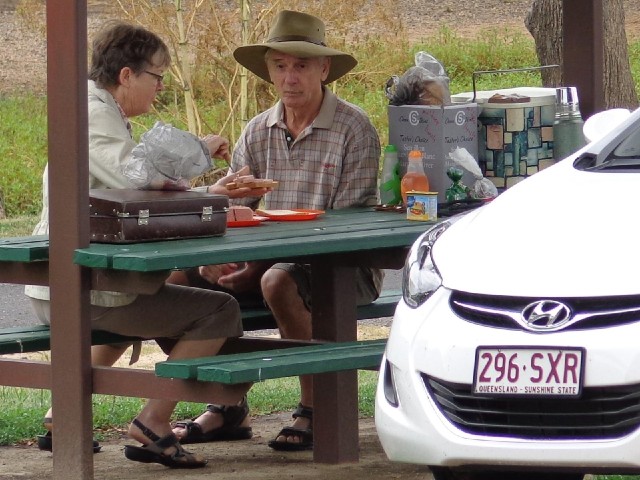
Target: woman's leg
156 414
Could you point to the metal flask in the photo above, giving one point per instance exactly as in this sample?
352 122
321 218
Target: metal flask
567 127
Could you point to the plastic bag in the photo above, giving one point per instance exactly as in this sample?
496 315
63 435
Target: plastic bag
482 187
458 190
166 158
426 83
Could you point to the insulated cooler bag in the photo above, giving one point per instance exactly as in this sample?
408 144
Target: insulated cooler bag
127 215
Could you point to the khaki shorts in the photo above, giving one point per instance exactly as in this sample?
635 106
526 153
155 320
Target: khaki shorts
368 282
368 285
177 312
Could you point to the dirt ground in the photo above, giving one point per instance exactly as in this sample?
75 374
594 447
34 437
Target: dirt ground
246 459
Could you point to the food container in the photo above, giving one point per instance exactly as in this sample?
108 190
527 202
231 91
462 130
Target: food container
515 139
422 206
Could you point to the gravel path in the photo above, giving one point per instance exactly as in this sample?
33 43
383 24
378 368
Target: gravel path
23 50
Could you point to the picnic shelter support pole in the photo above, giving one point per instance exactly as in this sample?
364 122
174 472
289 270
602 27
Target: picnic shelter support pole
69 229
583 52
335 395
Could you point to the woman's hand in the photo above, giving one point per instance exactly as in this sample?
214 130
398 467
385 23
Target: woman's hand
218 146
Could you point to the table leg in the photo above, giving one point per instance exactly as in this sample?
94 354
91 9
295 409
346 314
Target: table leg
335 395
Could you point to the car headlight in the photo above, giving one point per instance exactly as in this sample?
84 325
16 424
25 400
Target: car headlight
420 277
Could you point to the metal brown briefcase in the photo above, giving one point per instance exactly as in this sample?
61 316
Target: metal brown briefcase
128 215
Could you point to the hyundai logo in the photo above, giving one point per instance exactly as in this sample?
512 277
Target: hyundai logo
546 315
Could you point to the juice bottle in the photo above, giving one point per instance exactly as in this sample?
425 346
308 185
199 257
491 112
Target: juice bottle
415 178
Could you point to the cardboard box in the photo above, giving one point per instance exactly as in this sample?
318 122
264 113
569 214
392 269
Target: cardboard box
435 131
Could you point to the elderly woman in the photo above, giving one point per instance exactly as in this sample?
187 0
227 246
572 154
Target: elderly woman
127 68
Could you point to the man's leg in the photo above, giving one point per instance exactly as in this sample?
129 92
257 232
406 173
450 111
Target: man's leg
286 288
281 293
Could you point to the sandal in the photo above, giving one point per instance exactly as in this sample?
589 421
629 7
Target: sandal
232 417
305 435
153 452
45 442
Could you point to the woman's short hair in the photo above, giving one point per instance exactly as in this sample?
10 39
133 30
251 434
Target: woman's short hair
122 45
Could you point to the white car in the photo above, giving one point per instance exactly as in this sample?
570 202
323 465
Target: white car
515 352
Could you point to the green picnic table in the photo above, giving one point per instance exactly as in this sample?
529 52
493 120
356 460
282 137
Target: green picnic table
334 244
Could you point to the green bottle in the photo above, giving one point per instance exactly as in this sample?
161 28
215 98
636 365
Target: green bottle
389 189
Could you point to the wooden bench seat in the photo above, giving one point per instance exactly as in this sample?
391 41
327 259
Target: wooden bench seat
287 362
36 338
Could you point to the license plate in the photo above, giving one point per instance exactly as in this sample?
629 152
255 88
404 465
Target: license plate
534 371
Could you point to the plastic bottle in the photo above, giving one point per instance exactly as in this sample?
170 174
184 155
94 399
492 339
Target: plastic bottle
415 178
567 126
389 190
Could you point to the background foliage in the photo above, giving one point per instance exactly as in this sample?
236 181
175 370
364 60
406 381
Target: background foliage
205 86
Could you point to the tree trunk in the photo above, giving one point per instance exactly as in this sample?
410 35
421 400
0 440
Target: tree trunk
619 89
544 22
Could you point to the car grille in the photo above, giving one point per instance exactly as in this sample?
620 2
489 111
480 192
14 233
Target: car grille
505 312
600 413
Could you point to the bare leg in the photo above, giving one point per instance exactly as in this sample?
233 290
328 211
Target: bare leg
106 355
294 321
178 277
101 356
156 414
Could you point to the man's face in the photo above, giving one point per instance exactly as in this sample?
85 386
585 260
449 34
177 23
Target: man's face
298 81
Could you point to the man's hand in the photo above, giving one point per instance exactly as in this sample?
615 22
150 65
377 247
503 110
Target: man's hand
220 186
211 273
245 278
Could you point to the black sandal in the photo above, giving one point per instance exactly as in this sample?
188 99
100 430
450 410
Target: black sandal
45 442
232 416
305 435
153 452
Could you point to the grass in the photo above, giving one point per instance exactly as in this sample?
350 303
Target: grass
23 409
18 226
23 134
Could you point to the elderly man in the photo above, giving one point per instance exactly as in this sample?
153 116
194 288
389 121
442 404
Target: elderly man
324 152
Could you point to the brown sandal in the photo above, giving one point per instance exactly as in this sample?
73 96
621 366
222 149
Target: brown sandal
45 442
232 416
153 452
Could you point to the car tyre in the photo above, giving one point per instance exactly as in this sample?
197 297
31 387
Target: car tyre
443 473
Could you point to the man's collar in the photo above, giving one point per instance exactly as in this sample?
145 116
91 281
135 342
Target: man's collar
325 115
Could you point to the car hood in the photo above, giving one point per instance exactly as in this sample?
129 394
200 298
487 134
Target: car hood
561 232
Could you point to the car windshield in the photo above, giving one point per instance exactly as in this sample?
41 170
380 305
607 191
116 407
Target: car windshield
626 156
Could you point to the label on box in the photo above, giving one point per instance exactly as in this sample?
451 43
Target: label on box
435 131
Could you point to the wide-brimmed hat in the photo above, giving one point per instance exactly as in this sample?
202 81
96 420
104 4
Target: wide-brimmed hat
298 34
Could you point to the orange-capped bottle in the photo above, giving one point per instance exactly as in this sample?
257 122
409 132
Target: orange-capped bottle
415 179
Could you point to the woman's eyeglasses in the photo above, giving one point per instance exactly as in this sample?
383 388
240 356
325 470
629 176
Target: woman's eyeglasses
159 78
